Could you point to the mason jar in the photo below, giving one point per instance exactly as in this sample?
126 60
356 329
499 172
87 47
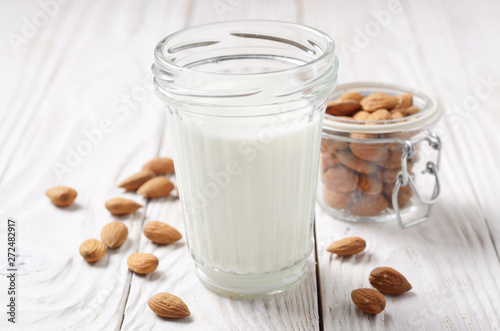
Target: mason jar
382 170
245 102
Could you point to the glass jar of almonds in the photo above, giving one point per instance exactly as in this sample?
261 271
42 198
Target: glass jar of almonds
379 159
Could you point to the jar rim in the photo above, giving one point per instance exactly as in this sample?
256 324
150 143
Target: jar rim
245 68
428 115
163 61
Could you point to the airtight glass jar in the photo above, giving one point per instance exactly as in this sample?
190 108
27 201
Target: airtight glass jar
245 102
383 167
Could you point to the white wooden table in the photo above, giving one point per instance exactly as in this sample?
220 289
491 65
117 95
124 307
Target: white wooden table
77 109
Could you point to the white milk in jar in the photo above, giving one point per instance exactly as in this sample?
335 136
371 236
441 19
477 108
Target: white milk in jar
245 102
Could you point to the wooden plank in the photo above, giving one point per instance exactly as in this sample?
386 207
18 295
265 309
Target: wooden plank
470 93
450 260
67 87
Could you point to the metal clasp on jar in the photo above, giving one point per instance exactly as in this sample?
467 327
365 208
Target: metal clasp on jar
404 178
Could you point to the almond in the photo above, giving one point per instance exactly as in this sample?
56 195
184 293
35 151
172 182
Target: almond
357 135
135 181
378 100
368 300
347 246
389 281
404 101
342 107
168 305
361 115
370 152
328 160
396 115
92 250
388 175
120 206
368 205
334 199
411 111
347 158
340 179
156 187
353 95
378 115
331 146
160 165
393 160
161 233
61 196
142 263
114 234
370 184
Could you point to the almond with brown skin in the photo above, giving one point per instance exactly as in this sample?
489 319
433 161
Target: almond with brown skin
353 95
368 300
361 115
92 250
378 100
61 196
114 234
160 165
331 146
378 115
347 246
135 181
334 199
342 107
396 115
156 187
168 305
389 281
405 100
370 152
370 184
368 205
388 175
328 161
411 111
120 206
393 160
161 233
340 179
347 158
142 263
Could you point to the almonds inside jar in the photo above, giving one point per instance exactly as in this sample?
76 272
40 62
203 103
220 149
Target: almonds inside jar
358 172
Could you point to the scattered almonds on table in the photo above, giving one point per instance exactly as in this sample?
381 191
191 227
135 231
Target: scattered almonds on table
92 250
347 246
156 187
161 233
135 181
168 305
389 281
347 169
114 234
368 300
142 263
120 206
61 196
160 165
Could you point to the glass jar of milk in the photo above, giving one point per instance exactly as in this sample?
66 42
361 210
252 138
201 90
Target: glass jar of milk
245 103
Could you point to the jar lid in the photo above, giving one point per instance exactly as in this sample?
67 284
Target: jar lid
429 108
